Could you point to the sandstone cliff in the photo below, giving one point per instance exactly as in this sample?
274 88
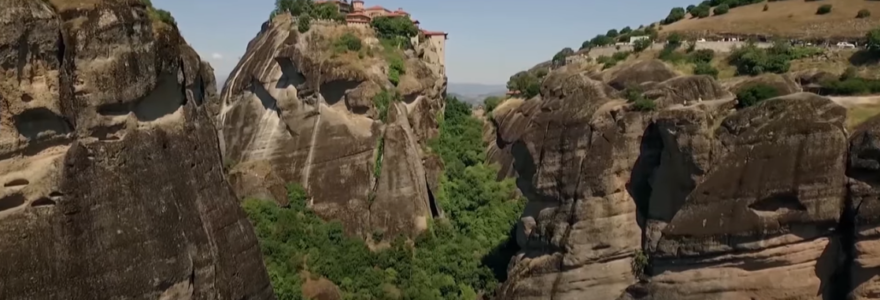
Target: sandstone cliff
111 178
696 200
296 109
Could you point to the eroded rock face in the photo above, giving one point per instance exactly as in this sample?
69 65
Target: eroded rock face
111 177
579 229
293 113
707 201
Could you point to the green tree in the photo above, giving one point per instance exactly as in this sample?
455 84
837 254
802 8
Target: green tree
824 9
326 11
721 9
612 33
490 103
626 30
873 39
304 23
559 58
394 28
690 8
863 13
526 83
675 15
754 94
348 42
701 11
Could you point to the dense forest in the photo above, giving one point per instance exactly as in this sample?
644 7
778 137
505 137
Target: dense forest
459 257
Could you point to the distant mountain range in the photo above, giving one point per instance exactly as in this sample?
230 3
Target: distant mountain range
474 93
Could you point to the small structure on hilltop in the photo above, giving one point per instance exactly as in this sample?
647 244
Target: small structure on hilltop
633 39
358 15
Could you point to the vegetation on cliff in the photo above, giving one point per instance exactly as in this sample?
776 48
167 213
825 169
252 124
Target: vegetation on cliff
457 258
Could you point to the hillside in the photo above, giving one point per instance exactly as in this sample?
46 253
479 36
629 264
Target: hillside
793 18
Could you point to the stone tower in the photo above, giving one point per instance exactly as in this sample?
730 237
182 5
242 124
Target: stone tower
357 5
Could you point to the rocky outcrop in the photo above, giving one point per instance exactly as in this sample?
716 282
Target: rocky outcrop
641 72
783 83
692 201
296 111
111 177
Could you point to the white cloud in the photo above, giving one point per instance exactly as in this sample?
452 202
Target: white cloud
217 56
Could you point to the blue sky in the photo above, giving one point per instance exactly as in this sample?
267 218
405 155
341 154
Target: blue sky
489 40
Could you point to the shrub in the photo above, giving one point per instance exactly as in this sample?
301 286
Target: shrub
382 101
702 56
559 58
639 263
754 94
620 56
766 7
704 68
873 39
641 45
751 60
633 94
849 73
721 9
824 9
669 54
490 103
304 24
396 68
348 42
864 13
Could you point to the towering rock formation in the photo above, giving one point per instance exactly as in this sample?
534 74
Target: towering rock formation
110 175
697 200
298 110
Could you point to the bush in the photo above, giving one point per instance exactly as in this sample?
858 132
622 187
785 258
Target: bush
863 13
824 9
382 101
304 24
754 94
396 68
527 84
873 39
490 103
642 44
559 58
721 9
766 7
751 60
633 94
670 54
704 68
702 56
395 28
639 263
620 56
348 42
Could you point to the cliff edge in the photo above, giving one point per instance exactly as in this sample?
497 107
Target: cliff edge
111 183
